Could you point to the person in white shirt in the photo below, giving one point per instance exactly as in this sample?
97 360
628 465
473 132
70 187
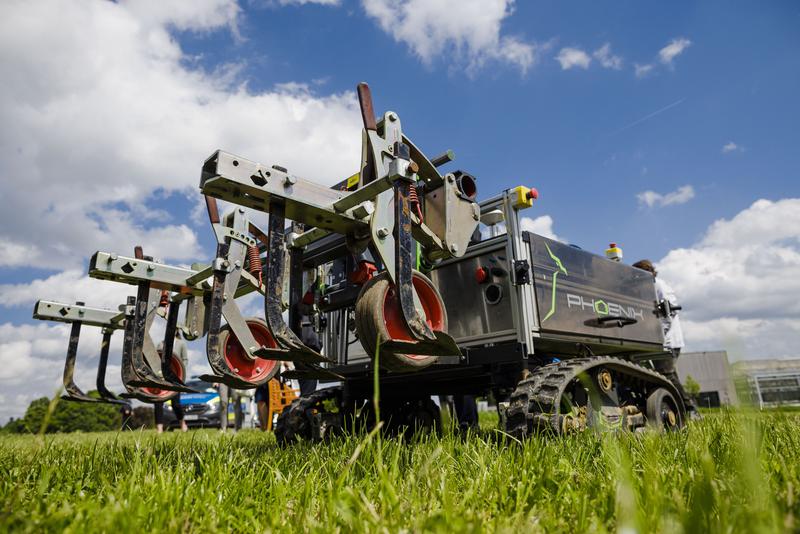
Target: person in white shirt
673 334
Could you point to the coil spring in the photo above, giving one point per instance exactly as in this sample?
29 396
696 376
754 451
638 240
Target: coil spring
163 301
413 198
254 258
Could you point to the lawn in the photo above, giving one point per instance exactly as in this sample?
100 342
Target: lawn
727 473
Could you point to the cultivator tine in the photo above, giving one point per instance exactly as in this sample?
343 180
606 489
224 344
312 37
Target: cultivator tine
128 373
105 394
292 348
169 344
404 259
216 360
144 358
74 393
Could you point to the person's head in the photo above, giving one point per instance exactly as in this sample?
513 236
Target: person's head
645 265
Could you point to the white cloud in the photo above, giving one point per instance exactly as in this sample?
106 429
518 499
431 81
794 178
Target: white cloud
465 30
675 48
730 146
680 196
542 225
573 57
642 70
130 117
606 58
739 284
66 286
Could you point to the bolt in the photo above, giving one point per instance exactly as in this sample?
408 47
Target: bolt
290 180
241 210
392 117
383 232
451 178
237 264
454 248
226 263
224 297
412 167
112 257
195 333
258 369
150 268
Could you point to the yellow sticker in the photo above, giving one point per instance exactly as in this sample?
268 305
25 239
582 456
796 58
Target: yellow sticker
352 181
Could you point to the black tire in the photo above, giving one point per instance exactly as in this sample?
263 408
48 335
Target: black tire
370 322
663 412
296 421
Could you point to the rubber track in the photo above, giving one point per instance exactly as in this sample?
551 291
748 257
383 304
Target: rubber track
534 403
294 422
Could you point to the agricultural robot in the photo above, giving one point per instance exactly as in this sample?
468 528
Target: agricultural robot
400 265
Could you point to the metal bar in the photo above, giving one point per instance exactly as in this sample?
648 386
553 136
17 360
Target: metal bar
48 310
253 185
443 158
108 266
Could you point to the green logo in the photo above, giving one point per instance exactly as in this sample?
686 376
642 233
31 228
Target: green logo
600 307
560 270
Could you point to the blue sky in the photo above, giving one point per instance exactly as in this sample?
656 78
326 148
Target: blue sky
670 128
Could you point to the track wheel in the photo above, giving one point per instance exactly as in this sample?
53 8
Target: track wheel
256 370
662 411
378 313
161 395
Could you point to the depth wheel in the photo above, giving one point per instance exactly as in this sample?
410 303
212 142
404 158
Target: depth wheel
162 395
254 371
378 313
663 412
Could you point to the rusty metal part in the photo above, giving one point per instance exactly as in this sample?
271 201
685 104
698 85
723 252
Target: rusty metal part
604 380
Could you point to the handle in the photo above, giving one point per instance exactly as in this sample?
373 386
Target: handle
213 210
367 111
620 320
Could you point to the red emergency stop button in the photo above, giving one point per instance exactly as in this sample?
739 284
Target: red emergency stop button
533 194
481 275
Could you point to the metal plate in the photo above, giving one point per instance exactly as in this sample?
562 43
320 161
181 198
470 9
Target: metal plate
577 290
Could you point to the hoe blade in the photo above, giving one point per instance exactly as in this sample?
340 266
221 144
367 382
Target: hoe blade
74 393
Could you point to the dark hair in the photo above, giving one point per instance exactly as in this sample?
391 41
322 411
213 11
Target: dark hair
645 265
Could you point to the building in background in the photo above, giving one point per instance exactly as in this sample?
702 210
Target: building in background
768 383
713 372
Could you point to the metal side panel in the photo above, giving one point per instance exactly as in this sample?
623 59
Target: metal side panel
579 293
477 311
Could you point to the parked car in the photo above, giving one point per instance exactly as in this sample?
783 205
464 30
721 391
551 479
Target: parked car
201 410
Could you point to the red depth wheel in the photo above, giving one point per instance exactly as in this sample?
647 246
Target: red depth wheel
256 370
176 365
378 313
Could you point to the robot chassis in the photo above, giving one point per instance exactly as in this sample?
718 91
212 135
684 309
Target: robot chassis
393 258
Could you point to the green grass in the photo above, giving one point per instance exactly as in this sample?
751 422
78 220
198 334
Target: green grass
727 473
